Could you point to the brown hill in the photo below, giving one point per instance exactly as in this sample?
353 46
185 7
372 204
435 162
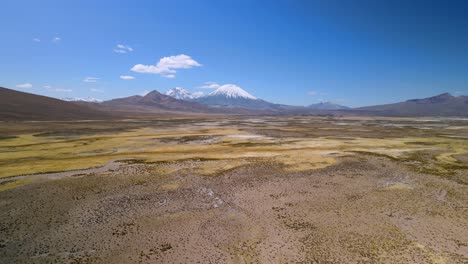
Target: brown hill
440 105
16 105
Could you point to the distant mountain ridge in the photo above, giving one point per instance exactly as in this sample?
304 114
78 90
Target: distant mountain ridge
434 99
158 100
16 105
327 106
440 105
78 99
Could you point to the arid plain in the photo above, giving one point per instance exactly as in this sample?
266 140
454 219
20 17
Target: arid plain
206 189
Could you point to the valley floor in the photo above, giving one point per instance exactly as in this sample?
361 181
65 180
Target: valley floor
236 190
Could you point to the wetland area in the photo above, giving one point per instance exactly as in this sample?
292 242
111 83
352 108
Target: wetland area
205 189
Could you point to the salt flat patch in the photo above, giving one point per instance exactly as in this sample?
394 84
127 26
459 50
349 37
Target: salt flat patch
456 127
345 124
455 136
254 120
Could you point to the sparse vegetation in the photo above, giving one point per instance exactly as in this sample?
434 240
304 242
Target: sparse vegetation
292 189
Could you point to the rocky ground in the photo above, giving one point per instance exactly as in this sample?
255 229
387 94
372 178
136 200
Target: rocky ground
361 210
365 207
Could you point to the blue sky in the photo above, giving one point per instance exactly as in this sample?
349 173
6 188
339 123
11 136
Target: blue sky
292 52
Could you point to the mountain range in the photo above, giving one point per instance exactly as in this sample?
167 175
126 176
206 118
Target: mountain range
157 100
327 106
16 105
440 105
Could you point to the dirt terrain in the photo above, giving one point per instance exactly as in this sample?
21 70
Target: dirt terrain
237 190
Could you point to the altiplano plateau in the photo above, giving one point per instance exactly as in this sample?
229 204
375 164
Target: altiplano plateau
234 132
237 189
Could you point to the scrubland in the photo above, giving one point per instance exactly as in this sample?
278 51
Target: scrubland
235 190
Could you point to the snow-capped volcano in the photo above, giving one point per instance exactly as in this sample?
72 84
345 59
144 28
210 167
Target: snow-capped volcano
225 96
232 91
181 94
232 96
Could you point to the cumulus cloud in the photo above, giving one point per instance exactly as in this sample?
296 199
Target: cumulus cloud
56 39
126 77
24 85
210 85
94 90
120 48
36 40
90 79
167 66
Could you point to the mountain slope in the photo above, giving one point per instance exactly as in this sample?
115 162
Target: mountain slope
440 105
16 105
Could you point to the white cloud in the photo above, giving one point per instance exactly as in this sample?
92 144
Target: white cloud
24 85
49 88
210 85
167 66
56 39
94 90
126 77
150 69
181 61
62 90
120 48
90 79
36 40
